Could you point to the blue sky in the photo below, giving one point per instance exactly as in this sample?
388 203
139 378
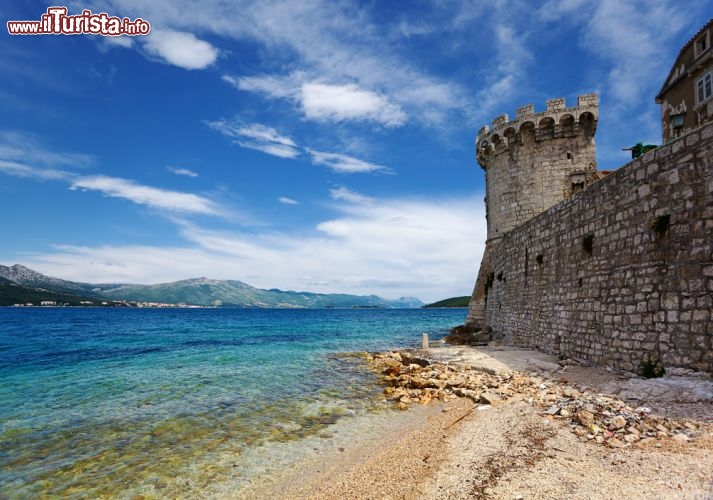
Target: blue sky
301 144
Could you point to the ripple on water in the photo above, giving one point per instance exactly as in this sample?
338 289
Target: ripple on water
109 403
174 453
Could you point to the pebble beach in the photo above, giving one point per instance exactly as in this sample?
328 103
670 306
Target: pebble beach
467 425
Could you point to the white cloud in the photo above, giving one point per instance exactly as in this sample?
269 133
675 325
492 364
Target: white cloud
511 66
182 171
554 10
118 41
328 102
258 137
19 170
627 33
513 55
344 164
409 29
27 148
326 41
172 201
621 35
428 249
287 201
270 86
22 155
180 49
348 102
264 133
345 194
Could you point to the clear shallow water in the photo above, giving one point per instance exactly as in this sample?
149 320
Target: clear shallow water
167 402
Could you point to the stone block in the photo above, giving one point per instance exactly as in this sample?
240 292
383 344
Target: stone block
701 315
707 132
556 104
691 139
500 120
526 110
669 301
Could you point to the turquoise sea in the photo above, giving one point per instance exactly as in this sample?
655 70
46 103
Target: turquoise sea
152 403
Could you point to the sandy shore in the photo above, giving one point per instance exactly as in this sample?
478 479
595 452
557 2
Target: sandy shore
516 447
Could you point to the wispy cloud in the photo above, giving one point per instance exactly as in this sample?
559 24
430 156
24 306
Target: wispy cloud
257 136
172 201
118 41
23 146
510 68
344 164
268 140
268 85
28 149
422 248
554 10
287 201
23 155
631 45
19 170
336 44
346 194
332 44
628 32
618 34
20 154
409 29
182 171
180 49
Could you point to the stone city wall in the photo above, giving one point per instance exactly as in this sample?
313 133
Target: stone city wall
621 273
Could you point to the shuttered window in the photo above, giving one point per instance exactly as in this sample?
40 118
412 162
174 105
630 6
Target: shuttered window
704 87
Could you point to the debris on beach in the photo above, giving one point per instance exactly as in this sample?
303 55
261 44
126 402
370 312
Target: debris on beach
593 417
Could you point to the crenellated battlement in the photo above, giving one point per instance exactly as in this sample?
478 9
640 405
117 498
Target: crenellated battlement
536 160
555 122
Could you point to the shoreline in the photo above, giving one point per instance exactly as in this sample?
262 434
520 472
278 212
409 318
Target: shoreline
510 443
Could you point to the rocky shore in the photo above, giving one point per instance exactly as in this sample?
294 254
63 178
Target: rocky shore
592 416
506 423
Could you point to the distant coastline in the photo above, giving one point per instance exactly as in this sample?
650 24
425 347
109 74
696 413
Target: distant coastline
452 302
21 286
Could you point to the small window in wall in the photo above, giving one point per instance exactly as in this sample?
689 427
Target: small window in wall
704 87
702 44
577 182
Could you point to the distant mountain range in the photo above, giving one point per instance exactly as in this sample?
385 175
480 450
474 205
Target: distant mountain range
198 291
11 293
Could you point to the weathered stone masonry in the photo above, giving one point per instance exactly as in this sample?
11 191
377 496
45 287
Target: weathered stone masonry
532 163
619 273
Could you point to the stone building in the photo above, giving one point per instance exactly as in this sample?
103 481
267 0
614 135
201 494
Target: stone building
617 270
532 163
686 97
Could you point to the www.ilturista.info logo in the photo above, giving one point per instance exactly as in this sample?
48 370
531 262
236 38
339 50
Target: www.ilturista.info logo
57 22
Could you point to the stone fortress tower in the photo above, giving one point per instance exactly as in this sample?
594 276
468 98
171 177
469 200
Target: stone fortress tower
531 163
